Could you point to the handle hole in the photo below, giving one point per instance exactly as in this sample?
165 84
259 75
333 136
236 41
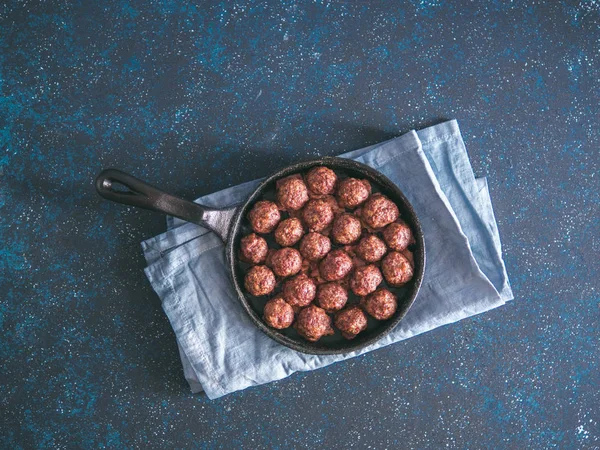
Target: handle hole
117 187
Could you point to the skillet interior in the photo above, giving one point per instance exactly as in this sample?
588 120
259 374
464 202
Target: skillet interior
330 344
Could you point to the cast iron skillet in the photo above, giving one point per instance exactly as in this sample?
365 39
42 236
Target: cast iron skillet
231 225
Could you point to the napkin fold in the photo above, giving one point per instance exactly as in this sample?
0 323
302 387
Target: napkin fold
222 351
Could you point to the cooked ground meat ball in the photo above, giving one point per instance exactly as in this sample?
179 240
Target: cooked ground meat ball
286 262
381 304
288 232
346 229
351 321
365 280
259 281
371 248
292 193
330 199
398 236
397 270
253 249
264 216
379 211
317 214
313 323
336 265
278 314
300 290
321 180
352 192
315 246
332 297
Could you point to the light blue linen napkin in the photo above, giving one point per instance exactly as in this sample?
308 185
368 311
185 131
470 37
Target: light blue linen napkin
222 351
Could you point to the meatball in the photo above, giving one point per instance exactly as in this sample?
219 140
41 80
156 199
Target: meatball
321 180
397 270
352 192
379 211
315 246
351 321
398 236
313 323
264 216
336 265
365 280
332 297
317 214
381 304
286 262
253 249
346 229
259 281
278 314
288 232
292 193
371 248
300 290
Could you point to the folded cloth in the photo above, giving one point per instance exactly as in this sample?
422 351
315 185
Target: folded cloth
222 351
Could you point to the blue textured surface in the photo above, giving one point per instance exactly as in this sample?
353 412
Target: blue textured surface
197 99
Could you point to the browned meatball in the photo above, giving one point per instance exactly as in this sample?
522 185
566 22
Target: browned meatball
371 248
336 265
321 180
278 314
352 192
288 232
379 211
317 214
264 216
292 193
346 229
365 280
398 236
397 270
332 297
300 290
286 262
313 323
351 321
253 249
259 280
315 246
381 304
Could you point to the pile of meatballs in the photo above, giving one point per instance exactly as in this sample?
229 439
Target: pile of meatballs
333 236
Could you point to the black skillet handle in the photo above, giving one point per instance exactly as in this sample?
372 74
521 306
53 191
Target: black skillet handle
140 194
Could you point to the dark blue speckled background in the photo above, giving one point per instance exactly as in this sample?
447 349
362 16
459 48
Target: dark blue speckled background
198 98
